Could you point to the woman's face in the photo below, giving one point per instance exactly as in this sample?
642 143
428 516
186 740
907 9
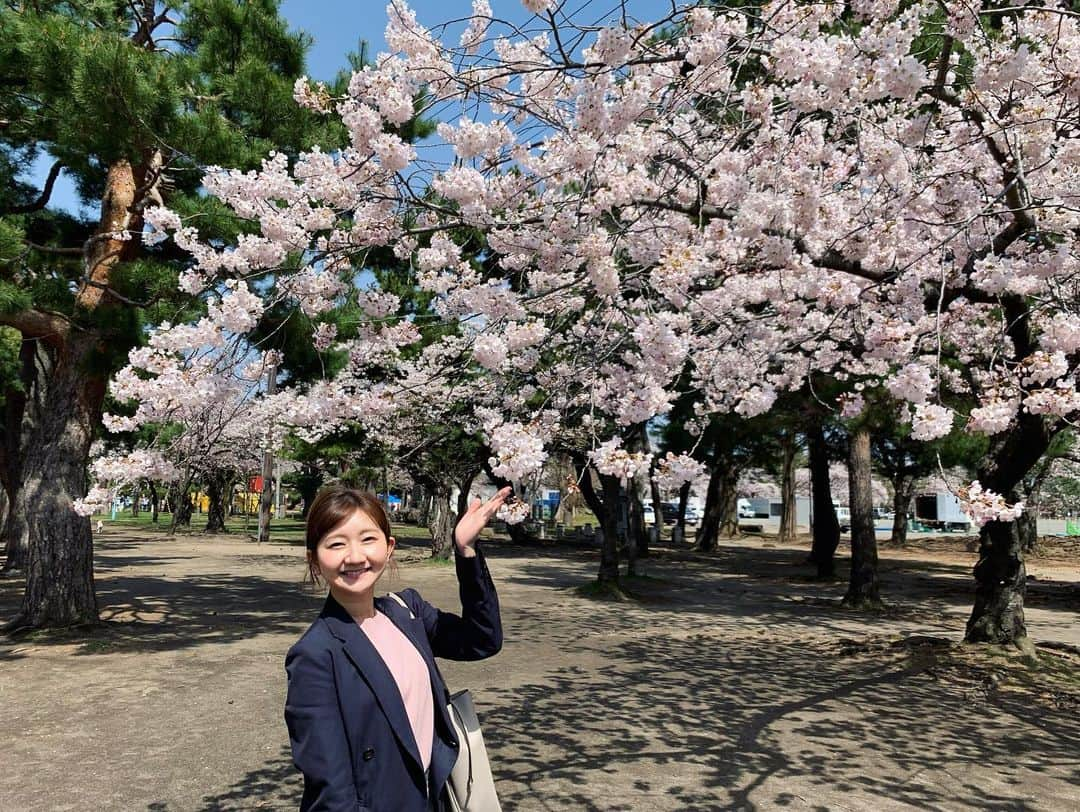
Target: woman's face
352 556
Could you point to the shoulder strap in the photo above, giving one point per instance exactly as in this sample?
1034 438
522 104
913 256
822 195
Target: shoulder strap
397 598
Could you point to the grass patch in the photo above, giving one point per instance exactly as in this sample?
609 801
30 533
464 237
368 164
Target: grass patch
98 646
603 591
629 588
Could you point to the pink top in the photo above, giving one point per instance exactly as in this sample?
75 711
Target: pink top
410 672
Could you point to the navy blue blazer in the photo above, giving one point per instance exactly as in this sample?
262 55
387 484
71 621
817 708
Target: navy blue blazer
350 735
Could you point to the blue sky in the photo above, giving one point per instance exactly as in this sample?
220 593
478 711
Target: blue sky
338 26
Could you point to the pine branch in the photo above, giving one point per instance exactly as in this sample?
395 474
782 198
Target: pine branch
43 198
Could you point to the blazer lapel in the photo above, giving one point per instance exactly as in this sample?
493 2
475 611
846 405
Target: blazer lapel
363 655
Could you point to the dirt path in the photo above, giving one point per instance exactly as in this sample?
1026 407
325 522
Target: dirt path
738 685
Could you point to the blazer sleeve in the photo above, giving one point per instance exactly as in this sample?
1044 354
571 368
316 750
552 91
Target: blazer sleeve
320 747
477 632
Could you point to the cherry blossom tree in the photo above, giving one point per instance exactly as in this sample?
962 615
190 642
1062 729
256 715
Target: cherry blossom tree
727 199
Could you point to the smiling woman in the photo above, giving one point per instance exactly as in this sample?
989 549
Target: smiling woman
346 529
366 705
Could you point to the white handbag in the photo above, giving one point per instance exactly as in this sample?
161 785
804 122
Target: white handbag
471 787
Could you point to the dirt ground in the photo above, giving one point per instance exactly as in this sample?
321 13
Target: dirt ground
736 682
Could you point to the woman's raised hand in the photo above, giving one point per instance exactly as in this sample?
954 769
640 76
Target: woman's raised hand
475 519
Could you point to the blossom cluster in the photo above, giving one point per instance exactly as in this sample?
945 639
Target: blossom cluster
986 506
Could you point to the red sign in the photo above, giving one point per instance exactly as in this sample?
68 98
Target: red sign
255 485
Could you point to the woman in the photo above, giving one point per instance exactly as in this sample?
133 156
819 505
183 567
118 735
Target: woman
366 705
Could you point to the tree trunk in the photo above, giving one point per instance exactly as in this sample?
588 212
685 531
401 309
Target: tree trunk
22 406
16 532
589 494
266 502
1027 526
826 527
424 513
639 533
636 539
155 500
863 586
60 559
308 485
710 519
609 522
463 493
136 495
903 491
441 522
684 500
184 508
60 556
1000 574
218 488
658 500
1001 580
787 489
729 502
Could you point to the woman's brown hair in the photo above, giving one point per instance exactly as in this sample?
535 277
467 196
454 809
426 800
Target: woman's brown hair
334 505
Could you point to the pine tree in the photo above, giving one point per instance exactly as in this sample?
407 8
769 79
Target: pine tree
131 101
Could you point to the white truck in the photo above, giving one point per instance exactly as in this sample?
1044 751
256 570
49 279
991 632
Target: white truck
941 511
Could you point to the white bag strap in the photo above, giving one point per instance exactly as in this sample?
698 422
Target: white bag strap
396 597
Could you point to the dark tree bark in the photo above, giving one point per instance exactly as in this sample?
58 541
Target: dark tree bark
21 406
155 501
787 488
441 521
684 500
710 519
136 495
903 492
638 533
16 532
1000 574
863 587
60 561
463 493
588 491
184 508
729 502
609 549
218 489
826 528
308 485
998 614
657 501
1027 527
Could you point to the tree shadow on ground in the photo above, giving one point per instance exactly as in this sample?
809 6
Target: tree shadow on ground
751 726
759 727
275 785
146 613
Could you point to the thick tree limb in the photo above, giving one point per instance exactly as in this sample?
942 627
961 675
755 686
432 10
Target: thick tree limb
51 328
